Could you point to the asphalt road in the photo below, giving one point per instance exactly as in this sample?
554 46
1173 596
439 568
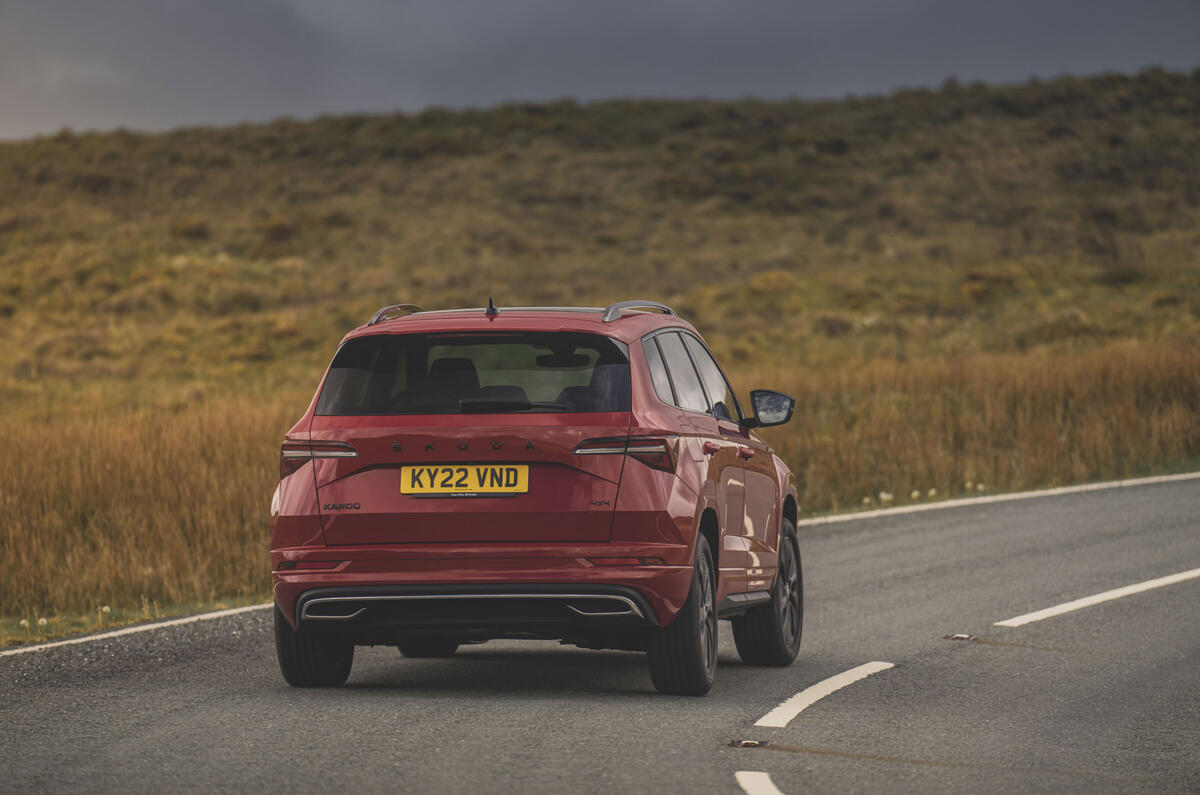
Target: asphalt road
1106 698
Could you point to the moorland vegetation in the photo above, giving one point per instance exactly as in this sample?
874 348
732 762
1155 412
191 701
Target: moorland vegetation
972 288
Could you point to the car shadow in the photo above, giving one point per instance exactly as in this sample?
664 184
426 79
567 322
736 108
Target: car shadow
479 670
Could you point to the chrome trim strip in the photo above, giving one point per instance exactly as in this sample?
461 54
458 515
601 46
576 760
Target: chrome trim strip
292 455
629 603
579 612
599 451
355 614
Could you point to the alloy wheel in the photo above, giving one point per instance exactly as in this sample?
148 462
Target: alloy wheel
708 611
790 595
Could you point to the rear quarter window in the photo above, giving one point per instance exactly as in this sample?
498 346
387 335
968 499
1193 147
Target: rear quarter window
658 372
688 391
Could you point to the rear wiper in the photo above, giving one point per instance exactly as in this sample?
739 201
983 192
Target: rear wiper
483 406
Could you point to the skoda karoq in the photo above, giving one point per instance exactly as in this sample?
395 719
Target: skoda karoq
582 474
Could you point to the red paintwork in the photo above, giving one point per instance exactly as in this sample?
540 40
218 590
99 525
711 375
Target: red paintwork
548 535
561 511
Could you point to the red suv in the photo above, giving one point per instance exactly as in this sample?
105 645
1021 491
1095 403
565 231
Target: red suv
566 473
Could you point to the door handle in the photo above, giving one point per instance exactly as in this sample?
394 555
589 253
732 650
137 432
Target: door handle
711 448
745 452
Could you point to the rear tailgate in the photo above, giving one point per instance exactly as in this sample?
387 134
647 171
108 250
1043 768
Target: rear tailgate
555 495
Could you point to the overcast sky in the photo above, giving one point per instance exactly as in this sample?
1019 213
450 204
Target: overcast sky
152 64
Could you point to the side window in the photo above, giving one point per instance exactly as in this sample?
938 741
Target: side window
724 405
658 372
683 374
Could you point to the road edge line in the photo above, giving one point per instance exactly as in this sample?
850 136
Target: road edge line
1098 598
786 712
962 502
116 633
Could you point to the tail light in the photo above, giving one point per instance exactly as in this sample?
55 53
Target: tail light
656 452
294 453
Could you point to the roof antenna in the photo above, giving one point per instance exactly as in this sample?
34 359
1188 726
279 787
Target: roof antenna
491 308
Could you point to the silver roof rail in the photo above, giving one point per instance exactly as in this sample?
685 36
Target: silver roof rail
386 312
613 311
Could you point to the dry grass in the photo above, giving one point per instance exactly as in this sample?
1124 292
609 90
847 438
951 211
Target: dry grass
169 505
988 284
1008 422
112 508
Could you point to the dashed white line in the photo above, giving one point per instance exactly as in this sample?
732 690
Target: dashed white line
754 782
782 715
116 633
1020 495
1095 599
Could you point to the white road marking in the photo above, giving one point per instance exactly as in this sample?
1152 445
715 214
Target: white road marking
1020 495
782 715
754 782
116 633
1095 599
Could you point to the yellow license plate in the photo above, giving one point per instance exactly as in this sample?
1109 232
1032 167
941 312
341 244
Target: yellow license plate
465 480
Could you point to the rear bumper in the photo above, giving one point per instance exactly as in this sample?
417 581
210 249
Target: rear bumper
550 592
391 614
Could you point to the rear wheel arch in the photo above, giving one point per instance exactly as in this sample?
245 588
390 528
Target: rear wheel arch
787 526
710 528
791 511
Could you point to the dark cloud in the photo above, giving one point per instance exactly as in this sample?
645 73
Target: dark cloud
159 63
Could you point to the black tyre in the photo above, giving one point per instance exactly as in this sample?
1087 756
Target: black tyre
770 634
683 656
428 648
312 659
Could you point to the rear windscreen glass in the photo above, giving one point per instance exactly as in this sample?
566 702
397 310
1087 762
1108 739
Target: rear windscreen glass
477 373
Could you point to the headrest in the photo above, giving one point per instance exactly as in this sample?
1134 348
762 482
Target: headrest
578 398
454 375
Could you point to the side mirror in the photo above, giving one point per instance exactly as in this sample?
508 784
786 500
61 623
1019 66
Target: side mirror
770 408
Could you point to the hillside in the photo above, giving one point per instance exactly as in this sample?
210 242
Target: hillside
996 284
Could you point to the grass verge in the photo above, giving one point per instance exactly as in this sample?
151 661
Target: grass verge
32 627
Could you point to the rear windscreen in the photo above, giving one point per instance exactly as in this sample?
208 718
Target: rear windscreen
477 373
